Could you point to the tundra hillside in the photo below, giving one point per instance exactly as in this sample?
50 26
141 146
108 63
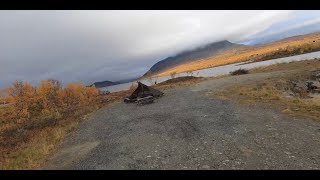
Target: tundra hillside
285 47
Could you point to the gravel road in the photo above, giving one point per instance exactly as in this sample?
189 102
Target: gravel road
187 129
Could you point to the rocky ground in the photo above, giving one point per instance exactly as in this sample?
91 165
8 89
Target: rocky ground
187 129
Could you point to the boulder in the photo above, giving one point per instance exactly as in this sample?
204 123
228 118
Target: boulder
316 75
313 86
299 88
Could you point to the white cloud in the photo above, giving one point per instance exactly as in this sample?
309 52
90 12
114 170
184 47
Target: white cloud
111 45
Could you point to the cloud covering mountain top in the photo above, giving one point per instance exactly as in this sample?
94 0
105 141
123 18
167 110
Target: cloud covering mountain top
93 46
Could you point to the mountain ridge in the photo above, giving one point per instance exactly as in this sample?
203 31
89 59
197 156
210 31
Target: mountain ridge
101 84
200 52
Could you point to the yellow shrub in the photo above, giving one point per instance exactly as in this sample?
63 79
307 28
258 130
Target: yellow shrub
49 99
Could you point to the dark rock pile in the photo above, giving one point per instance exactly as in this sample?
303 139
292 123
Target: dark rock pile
303 87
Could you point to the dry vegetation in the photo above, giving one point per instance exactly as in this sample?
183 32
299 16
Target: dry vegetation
286 47
278 91
239 72
36 119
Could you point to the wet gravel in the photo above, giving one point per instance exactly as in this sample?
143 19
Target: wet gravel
187 129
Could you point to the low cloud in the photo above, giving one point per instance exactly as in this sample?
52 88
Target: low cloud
93 46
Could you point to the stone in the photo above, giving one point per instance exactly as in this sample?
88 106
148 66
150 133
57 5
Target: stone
313 86
205 167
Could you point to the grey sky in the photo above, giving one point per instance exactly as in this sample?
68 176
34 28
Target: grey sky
93 46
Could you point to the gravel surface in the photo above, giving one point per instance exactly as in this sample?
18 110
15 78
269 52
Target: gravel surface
187 129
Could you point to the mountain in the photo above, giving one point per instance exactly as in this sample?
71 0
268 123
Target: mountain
191 55
104 84
289 46
111 83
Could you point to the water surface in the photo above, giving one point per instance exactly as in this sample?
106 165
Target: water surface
217 71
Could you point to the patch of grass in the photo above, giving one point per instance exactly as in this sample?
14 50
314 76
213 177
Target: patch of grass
29 145
239 72
271 91
44 141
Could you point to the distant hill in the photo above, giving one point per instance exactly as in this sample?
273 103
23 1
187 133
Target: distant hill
191 55
111 83
104 84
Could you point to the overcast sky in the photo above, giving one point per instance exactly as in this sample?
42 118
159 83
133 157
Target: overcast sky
91 46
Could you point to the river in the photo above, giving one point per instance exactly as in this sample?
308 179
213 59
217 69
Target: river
217 71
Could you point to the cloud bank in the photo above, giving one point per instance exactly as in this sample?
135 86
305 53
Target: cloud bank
93 46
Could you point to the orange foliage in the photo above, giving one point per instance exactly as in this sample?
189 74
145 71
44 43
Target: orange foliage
76 95
49 99
29 114
22 99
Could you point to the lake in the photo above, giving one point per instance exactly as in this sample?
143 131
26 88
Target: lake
217 71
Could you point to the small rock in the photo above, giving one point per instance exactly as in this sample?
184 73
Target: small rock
288 153
205 167
286 110
148 156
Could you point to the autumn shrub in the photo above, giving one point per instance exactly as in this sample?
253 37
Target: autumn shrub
31 115
76 96
173 74
47 101
239 72
23 102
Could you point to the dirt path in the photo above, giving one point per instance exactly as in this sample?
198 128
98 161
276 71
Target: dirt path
185 129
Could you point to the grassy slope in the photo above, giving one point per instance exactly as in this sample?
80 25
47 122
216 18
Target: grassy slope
282 48
272 91
29 147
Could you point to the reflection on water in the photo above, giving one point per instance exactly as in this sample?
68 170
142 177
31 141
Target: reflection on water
217 71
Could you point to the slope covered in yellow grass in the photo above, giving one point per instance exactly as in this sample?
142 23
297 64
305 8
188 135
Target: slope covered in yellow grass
285 47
